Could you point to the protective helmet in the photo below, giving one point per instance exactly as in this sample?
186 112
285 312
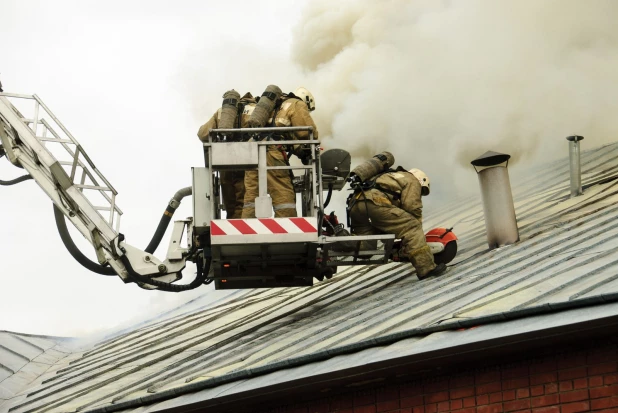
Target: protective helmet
306 97
423 179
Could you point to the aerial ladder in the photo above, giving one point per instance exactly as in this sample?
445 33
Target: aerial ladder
260 252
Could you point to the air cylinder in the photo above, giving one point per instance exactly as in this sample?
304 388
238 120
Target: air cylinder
379 163
500 219
264 108
229 109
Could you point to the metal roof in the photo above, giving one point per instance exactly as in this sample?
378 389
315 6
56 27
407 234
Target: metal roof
24 358
567 252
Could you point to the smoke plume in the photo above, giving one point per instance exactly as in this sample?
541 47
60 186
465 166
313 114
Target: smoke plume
440 82
437 83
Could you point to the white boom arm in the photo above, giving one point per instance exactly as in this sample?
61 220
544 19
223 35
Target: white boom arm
42 146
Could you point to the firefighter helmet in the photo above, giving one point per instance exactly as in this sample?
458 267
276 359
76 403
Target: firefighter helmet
306 97
423 179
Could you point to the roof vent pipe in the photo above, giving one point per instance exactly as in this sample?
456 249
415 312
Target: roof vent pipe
500 220
575 165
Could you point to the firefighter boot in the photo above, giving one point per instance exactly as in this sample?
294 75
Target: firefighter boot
329 222
344 246
439 270
333 228
422 260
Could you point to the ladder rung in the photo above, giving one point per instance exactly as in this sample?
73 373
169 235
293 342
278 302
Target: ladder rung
54 140
31 121
100 188
102 208
17 95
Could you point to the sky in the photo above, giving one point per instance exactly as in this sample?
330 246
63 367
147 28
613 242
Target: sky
126 78
436 82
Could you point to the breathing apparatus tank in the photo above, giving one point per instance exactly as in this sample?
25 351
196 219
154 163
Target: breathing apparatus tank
371 167
229 109
266 105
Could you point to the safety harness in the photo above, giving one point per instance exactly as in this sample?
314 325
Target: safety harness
371 183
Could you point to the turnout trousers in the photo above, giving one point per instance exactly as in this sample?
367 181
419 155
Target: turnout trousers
233 192
279 186
368 218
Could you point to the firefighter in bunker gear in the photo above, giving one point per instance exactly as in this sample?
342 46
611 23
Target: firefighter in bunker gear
232 182
289 110
393 205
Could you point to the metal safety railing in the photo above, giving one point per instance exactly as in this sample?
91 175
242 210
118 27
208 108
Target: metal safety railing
263 137
62 146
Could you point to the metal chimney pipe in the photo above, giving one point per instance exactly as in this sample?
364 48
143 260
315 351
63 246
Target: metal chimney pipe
575 165
500 219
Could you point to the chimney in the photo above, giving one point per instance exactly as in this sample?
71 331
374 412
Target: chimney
575 165
500 220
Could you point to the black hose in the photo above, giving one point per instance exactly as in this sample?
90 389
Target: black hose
161 228
97 268
166 218
200 270
330 193
152 246
133 276
15 181
66 237
61 224
164 286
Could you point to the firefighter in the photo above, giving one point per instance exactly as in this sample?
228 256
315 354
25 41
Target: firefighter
232 182
392 203
292 109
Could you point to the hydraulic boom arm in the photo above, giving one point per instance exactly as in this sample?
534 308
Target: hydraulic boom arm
44 148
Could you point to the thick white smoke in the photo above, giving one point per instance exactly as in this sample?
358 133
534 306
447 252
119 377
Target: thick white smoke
440 82
437 82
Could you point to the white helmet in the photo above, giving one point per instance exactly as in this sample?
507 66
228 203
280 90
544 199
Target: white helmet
423 179
306 97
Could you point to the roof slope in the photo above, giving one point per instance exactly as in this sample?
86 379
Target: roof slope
24 358
567 252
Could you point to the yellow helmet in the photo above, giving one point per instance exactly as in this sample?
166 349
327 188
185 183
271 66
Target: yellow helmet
423 179
306 97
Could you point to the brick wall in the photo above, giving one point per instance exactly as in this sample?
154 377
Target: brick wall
570 382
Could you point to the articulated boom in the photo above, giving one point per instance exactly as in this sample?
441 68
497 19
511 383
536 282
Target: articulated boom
41 145
242 253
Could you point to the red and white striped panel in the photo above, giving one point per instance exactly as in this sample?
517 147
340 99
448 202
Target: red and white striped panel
256 230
